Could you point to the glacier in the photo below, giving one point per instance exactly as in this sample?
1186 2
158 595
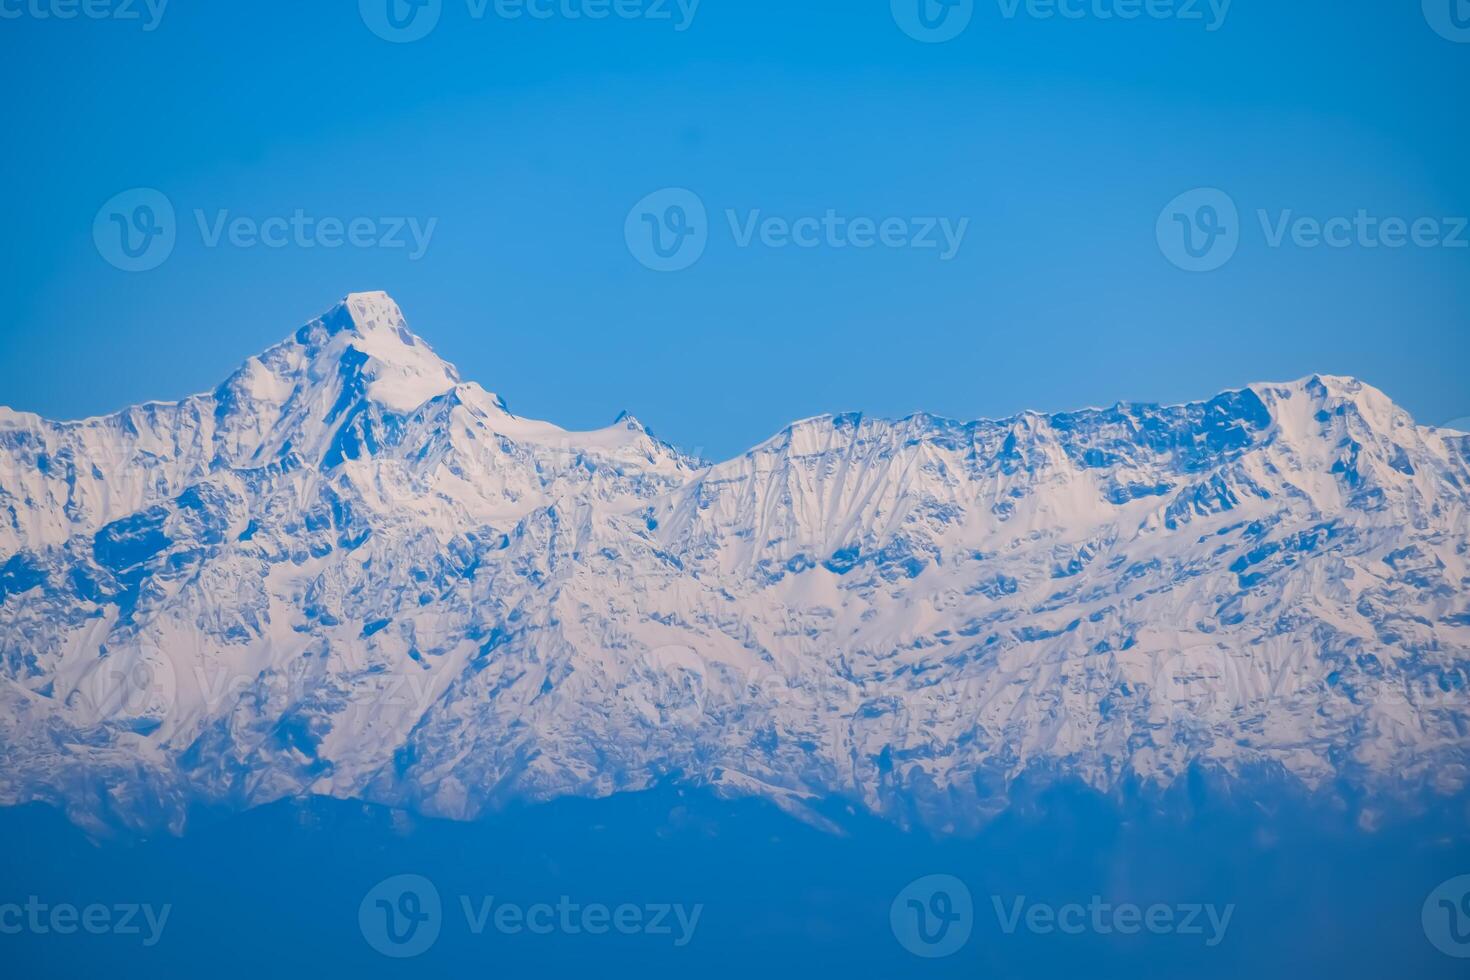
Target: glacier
347 572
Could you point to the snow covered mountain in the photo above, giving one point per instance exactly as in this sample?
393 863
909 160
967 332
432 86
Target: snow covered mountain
346 571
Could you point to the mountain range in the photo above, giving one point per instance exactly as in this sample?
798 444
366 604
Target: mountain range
348 572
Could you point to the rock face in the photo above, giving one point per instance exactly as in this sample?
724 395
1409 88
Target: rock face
347 572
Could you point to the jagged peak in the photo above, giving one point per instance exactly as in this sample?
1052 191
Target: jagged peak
372 306
628 420
1301 404
1319 386
367 333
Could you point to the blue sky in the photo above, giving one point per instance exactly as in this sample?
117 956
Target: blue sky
1057 141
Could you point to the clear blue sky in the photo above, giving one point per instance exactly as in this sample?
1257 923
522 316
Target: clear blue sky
530 139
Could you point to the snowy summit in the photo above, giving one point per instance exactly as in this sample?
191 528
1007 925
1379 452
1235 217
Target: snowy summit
347 572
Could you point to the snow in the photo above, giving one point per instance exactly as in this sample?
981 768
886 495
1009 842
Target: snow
348 571
405 372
